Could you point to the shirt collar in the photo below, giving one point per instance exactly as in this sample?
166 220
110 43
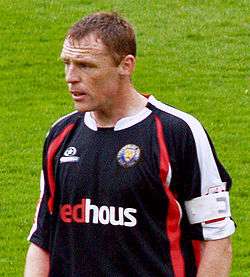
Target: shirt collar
122 123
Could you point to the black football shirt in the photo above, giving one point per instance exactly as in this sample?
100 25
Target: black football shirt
112 199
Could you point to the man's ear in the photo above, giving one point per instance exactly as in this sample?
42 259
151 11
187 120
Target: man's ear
127 65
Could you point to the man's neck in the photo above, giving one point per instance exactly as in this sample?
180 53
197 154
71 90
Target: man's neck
127 104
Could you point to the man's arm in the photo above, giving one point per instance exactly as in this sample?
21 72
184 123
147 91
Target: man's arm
37 262
216 258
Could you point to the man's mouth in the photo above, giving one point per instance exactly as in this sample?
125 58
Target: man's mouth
77 95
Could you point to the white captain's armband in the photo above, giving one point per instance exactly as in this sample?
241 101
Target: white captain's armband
208 207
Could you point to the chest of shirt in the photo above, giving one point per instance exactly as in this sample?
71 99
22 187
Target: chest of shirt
114 168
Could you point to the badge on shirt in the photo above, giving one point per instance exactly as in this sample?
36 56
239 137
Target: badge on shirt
128 155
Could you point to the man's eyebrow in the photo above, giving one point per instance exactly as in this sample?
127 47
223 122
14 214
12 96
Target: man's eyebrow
76 59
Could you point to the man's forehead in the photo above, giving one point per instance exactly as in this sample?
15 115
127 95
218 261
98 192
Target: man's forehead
90 40
88 45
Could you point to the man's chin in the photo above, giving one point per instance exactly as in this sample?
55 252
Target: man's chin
83 108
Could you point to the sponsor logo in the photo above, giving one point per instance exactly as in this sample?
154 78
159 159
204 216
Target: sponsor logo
128 155
69 155
85 212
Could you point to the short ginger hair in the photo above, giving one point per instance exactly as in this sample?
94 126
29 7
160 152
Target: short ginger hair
116 33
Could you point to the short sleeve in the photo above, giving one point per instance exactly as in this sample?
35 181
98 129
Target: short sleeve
40 231
195 173
205 186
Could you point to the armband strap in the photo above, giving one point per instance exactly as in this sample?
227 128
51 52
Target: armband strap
208 207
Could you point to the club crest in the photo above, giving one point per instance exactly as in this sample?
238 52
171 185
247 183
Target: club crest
128 155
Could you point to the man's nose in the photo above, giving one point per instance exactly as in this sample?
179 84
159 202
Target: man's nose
72 74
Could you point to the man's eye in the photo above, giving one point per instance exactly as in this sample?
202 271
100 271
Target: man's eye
86 65
83 65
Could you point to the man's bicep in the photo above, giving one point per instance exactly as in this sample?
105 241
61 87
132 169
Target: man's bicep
216 258
224 243
37 262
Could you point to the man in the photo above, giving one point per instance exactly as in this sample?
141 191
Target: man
130 186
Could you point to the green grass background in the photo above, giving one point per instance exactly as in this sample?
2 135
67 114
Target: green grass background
191 54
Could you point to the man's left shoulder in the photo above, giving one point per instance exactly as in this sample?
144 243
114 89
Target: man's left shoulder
176 118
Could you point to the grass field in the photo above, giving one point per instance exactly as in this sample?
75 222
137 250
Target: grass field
191 54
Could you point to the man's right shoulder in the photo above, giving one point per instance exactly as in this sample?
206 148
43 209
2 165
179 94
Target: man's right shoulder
63 122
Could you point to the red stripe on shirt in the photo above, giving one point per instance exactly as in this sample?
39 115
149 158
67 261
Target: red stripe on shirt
52 150
173 216
197 251
214 220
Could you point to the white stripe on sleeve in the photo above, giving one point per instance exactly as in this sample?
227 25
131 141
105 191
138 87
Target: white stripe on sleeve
208 169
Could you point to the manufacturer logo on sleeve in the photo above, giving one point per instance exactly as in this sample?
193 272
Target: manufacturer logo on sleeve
128 155
69 155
